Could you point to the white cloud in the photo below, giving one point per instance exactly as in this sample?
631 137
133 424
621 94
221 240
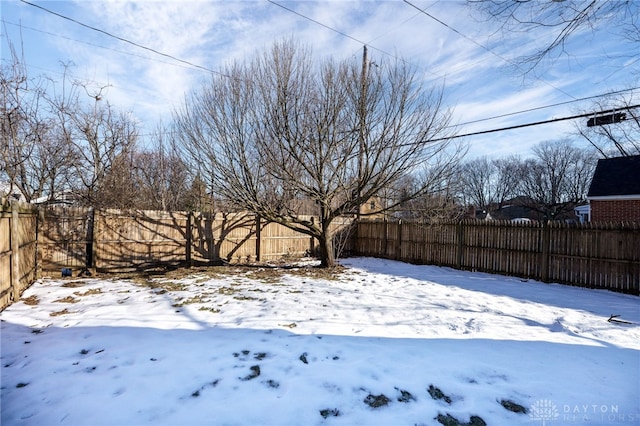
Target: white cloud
478 83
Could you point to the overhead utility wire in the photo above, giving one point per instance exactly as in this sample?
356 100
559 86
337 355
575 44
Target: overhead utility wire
339 32
315 22
493 53
480 45
537 123
94 45
124 39
546 106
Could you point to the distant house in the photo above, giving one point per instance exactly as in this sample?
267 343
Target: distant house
63 198
372 208
614 194
10 192
583 213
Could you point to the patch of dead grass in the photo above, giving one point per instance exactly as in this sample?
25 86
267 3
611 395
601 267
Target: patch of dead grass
190 301
88 292
228 291
160 284
73 284
272 275
266 275
65 311
245 298
331 274
31 300
67 299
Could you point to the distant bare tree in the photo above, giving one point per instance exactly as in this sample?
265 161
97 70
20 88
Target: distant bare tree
487 183
563 19
508 172
26 132
50 165
278 131
197 198
119 187
440 203
98 136
162 175
557 178
477 182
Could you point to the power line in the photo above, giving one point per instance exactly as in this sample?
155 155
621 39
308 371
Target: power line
480 45
94 45
537 123
342 33
124 39
394 56
546 106
316 22
190 64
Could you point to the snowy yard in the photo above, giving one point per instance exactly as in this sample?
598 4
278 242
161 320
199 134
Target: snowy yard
378 343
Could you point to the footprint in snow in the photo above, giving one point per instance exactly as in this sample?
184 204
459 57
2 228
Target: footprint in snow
255 372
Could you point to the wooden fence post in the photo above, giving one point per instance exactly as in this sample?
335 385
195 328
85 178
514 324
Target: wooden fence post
189 238
546 241
460 245
95 234
258 238
14 232
399 241
39 255
386 237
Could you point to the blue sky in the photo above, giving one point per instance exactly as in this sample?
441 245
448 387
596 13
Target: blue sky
468 57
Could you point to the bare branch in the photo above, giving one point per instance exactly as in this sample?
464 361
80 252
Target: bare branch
283 133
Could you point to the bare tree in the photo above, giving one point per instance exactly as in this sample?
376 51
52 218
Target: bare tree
56 142
276 132
557 178
508 172
162 175
26 131
477 182
97 135
119 186
197 198
563 19
440 202
487 184
49 165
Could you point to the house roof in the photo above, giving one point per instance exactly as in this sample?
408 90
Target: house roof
618 176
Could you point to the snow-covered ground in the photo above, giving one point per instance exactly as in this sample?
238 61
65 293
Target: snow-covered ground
380 343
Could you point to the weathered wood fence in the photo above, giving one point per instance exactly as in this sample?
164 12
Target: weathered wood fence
604 256
32 240
51 238
115 240
18 255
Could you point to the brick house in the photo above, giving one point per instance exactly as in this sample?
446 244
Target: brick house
614 193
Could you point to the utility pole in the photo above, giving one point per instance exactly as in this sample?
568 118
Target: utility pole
363 112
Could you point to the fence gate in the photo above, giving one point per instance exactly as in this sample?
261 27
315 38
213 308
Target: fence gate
66 237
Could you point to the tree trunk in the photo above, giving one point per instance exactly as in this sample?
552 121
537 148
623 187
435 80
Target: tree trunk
327 256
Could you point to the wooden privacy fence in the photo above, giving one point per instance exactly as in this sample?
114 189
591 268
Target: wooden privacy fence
116 240
18 238
52 238
601 256
594 256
